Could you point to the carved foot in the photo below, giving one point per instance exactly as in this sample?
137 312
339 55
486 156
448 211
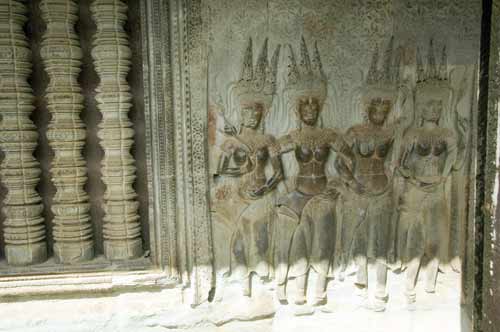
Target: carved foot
456 265
379 305
247 288
281 294
361 291
318 302
300 300
327 308
411 298
303 310
430 288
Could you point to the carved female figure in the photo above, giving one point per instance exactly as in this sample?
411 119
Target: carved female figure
306 226
368 200
245 155
428 155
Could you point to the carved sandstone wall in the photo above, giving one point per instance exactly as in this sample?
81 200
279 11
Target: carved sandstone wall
308 164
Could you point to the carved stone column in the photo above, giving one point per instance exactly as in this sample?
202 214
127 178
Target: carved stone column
24 229
61 54
111 54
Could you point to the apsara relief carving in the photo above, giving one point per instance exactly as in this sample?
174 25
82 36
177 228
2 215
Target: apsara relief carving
430 152
306 224
385 205
246 153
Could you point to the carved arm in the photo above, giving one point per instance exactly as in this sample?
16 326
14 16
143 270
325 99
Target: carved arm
272 182
345 162
462 128
451 157
403 167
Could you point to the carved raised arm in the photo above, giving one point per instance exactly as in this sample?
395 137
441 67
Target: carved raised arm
343 147
274 151
284 144
462 128
406 119
451 157
403 168
345 162
461 125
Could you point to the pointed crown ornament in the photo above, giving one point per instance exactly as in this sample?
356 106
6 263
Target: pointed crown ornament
306 79
432 80
383 83
257 84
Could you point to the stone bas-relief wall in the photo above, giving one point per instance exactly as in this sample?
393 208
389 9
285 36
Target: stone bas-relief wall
308 163
340 146
61 62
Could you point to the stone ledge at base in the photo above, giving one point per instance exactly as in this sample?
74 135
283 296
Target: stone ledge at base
91 284
168 309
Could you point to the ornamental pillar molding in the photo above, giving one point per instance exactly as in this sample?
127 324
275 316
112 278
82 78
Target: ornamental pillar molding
111 54
61 54
24 229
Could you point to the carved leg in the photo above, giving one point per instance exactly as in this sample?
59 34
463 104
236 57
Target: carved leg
247 286
414 251
431 275
239 262
301 283
281 293
435 235
284 233
411 279
381 282
320 290
362 276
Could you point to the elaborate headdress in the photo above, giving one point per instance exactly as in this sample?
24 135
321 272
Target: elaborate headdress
432 81
383 82
258 84
307 78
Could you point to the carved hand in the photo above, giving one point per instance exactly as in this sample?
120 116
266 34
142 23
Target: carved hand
403 172
259 192
463 124
230 130
357 186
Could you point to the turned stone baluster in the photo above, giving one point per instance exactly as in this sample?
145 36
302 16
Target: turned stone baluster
61 55
24 229
111 54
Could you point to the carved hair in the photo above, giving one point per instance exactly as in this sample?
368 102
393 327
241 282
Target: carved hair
306 79
257 84
432 80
